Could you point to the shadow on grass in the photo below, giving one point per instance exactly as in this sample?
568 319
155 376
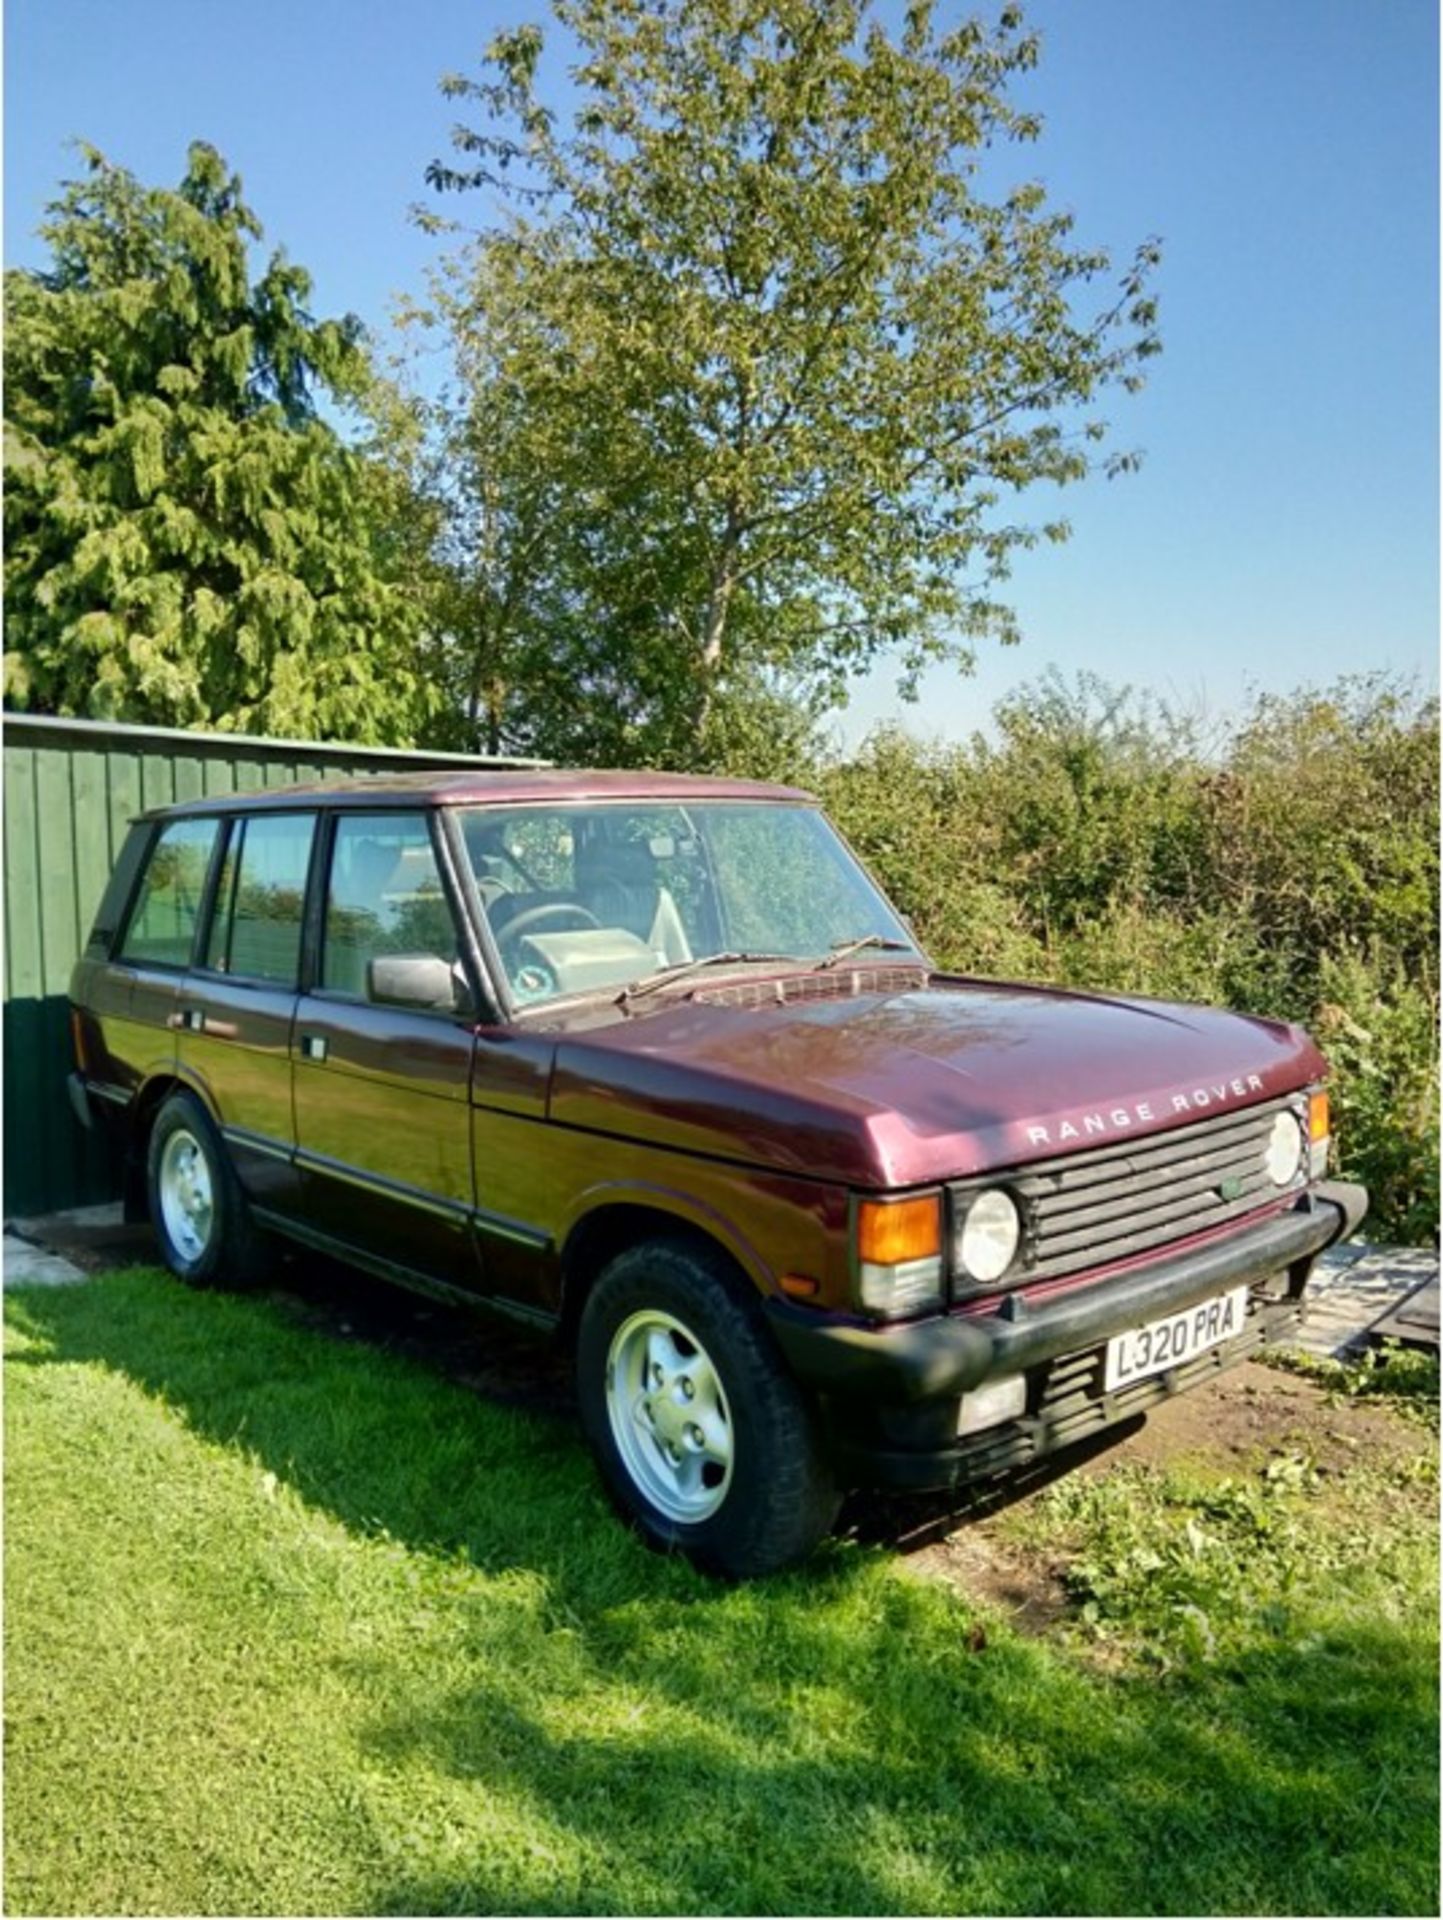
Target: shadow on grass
836 1740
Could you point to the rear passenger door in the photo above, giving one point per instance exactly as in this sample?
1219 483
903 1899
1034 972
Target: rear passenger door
238 1003
382 1090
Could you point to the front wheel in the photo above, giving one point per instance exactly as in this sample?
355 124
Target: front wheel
704 1440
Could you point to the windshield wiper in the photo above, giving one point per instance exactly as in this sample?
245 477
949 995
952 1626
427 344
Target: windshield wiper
636 989
844 949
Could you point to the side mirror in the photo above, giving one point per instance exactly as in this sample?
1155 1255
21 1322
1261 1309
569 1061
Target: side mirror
415 980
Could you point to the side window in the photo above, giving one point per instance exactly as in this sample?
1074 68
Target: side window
260 902
162 925
385 897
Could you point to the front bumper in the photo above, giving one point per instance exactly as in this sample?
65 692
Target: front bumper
893 1392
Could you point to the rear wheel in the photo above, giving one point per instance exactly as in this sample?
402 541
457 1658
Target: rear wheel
704 1440
202 1223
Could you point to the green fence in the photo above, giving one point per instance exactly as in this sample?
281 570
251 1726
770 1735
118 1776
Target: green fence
71 788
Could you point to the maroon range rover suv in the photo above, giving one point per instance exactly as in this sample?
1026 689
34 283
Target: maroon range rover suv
650 1061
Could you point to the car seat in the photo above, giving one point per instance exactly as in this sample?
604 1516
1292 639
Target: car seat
626 891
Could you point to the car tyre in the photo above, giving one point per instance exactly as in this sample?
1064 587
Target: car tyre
705 1442
200 1216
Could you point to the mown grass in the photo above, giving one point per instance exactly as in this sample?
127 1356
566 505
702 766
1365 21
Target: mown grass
296 1626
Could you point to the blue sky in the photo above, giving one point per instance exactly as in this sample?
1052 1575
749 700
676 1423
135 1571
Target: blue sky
1283 528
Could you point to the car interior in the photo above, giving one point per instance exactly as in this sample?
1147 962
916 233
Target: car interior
619 921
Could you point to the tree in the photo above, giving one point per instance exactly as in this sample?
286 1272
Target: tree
757 356
187 541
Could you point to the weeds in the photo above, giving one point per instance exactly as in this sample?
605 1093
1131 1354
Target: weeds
1403 1377
1178 1569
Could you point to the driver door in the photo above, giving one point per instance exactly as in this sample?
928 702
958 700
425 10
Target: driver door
382 1091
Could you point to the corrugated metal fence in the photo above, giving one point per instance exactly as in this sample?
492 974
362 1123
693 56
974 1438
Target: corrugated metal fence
71 788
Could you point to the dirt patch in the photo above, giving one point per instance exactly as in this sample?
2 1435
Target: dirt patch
1253 1411
1026 1588
1239 1421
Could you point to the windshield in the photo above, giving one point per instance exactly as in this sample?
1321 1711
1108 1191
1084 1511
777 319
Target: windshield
592 896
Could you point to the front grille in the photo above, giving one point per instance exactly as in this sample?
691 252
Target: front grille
1105 1204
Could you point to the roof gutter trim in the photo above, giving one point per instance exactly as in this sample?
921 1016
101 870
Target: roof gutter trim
21 723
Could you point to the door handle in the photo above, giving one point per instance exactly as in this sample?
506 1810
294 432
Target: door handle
190 1019
313 1046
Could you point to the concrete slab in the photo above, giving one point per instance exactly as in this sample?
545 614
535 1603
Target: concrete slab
95 1238
108 1214
1356 1287
27 1265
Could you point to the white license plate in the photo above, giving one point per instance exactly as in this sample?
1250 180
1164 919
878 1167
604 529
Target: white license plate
1168 1343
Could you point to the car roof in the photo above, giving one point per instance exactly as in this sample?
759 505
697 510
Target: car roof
507 786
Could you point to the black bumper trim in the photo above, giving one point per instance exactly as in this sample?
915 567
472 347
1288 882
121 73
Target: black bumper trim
1022 1443
931 1359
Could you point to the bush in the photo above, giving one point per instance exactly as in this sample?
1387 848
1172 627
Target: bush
1379 1028
1288 867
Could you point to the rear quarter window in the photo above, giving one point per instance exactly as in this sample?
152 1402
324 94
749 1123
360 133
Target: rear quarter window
162 923
118 889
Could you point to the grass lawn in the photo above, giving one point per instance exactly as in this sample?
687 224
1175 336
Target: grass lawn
296 1625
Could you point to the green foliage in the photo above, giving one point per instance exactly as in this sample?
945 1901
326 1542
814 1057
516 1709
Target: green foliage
1289 868
187 542
753 364
1378 1025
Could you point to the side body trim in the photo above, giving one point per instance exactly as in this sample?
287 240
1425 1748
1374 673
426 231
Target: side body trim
400 1190
497 1224
118 1096
257 1143
403 1276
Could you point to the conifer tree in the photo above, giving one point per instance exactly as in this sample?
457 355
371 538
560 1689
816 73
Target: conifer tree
188 541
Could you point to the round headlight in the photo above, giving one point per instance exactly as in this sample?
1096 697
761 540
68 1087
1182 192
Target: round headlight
1287 1144
990 1233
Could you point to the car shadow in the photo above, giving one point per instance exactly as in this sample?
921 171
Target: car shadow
515 1366
512 1365
909 1523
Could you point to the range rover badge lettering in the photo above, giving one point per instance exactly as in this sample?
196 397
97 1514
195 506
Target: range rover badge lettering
1111 1120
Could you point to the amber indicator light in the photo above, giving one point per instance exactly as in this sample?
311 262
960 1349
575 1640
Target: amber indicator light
891 1231
801 1286
1318 1116
77 1038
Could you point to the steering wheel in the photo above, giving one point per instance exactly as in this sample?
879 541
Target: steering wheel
531 917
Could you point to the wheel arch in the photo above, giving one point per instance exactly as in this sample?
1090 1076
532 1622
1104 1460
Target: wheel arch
150 1096
626 1217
